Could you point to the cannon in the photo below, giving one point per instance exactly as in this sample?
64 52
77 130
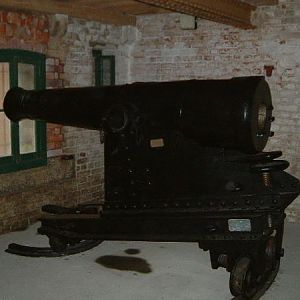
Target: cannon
184 162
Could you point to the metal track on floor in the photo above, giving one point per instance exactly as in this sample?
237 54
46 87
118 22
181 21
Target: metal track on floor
48 252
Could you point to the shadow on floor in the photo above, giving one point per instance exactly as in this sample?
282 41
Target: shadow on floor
124 263
132 251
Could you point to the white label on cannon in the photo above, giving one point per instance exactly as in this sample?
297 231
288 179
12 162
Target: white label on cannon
239 225
157 143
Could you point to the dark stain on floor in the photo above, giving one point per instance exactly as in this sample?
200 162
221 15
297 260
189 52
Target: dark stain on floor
132 251
125 263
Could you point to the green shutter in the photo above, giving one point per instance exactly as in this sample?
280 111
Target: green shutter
19 161
101 63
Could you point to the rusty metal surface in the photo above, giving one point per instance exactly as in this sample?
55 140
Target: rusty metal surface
262 289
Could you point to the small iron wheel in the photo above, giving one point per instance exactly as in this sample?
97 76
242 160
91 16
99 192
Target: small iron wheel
270 254
241 278
57 244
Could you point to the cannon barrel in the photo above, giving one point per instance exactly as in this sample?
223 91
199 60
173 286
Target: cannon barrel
233 113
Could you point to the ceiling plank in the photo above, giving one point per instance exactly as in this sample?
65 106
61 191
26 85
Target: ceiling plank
130 7
232 12
138 8
71 8
262 2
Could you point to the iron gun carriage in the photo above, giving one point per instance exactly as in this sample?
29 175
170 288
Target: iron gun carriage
184 162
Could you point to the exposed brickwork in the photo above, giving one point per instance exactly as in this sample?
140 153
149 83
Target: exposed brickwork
54 136
54 79
24 31
54 72
165 52
81 38
23 193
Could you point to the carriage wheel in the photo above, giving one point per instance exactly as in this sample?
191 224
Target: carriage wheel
241 278
270 254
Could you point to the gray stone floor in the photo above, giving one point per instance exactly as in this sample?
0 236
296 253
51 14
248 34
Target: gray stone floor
156 271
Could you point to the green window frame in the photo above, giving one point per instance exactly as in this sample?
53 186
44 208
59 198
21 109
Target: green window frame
17 161
101 61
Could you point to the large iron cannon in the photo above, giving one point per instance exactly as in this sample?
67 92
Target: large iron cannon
184 162
232 113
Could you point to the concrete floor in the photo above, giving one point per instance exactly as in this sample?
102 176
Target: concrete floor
158 271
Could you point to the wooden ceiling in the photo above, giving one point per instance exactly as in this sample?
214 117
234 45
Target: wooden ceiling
124 12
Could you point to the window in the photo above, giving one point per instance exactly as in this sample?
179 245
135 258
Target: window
104 69
22 144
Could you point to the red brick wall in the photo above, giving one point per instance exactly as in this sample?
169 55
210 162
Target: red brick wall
24 31
54 79
31 32
54 73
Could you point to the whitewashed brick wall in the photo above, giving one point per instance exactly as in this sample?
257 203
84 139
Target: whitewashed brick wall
165 52
158 50
74 45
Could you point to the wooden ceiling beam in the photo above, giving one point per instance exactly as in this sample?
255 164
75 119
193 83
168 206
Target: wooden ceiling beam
263 2
73 9
130 7
232 12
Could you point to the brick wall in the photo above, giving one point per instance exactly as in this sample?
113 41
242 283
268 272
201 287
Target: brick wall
165 52
157 50
23 193
80 38
24 31
54 79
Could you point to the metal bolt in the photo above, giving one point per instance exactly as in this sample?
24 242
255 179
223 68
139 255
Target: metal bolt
270 221
223 260
266 176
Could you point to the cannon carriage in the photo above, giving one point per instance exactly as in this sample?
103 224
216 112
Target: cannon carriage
184 162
